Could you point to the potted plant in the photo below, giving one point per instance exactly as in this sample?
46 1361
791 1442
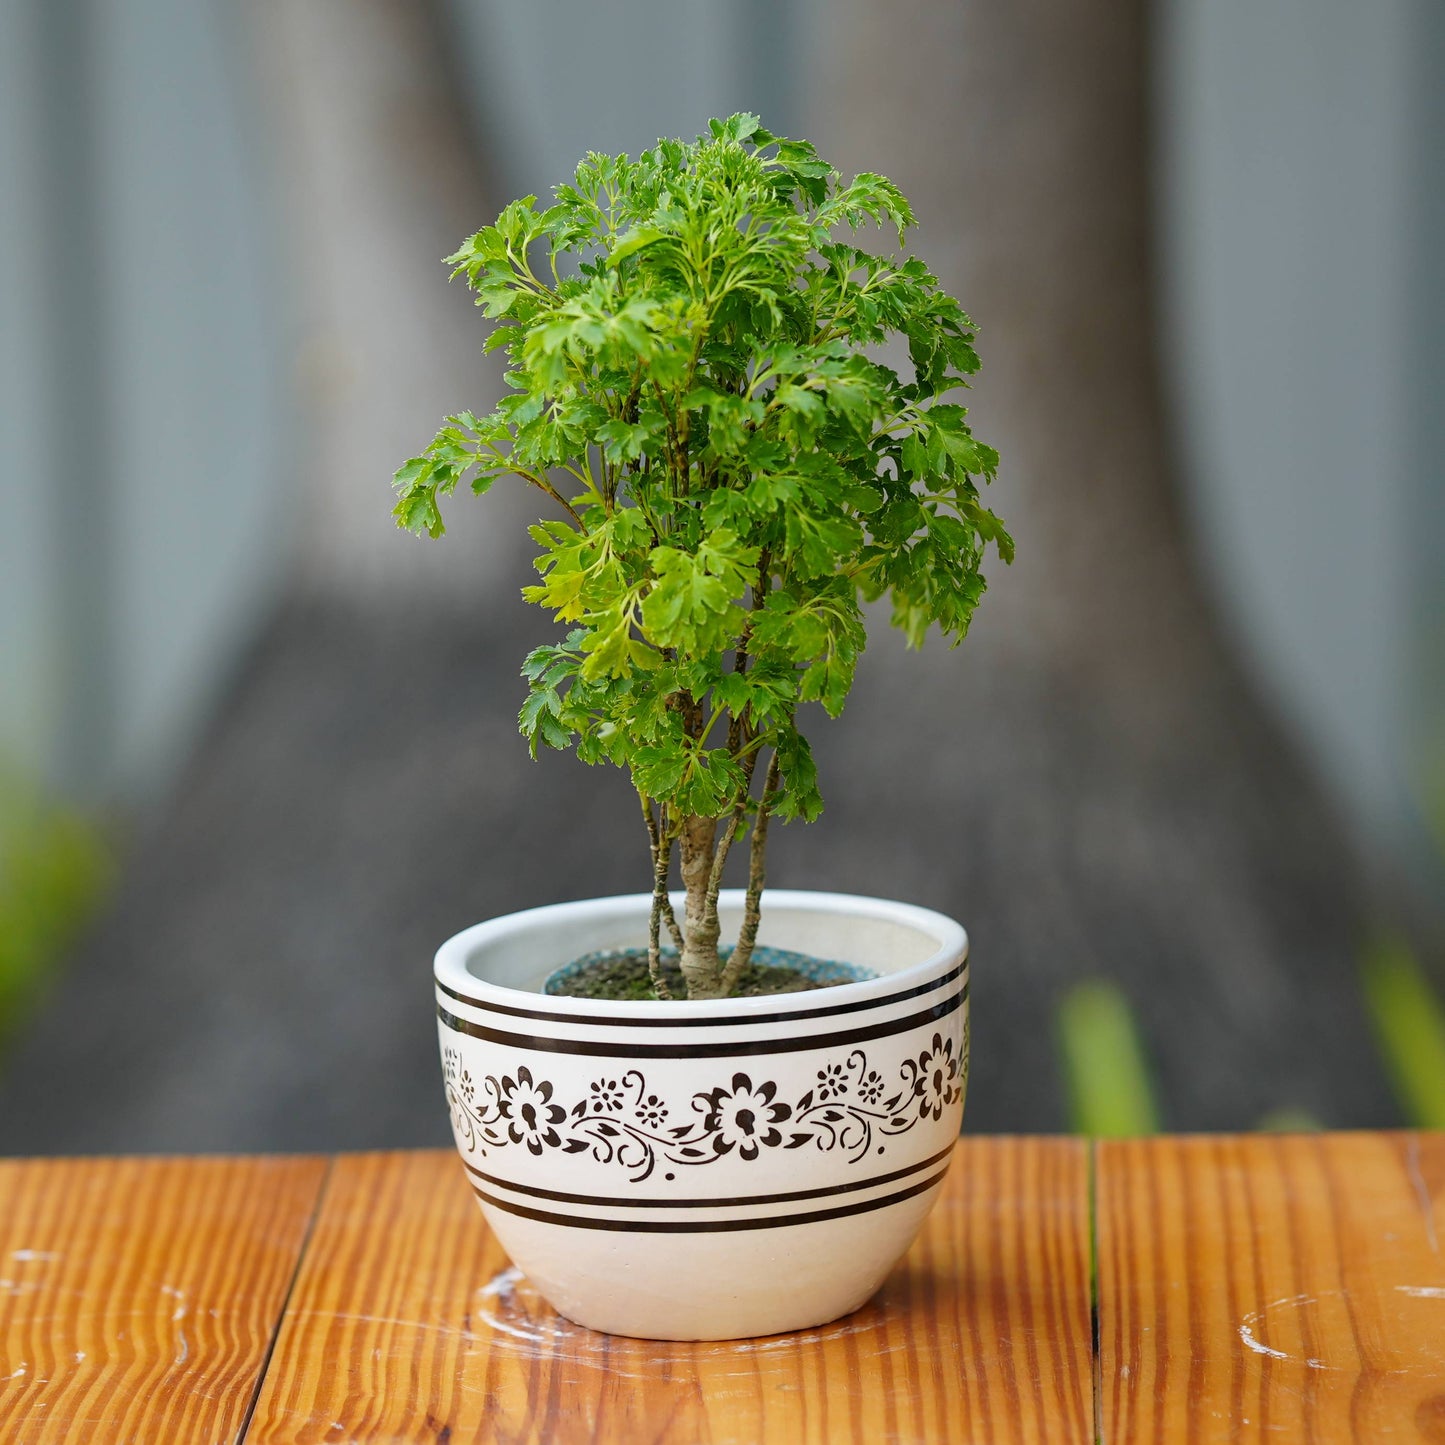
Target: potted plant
731 473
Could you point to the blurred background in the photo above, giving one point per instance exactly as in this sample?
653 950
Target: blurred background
1185 783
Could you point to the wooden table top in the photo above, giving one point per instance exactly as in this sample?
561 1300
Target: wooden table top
1248 1288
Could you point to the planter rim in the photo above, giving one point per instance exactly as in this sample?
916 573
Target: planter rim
453 974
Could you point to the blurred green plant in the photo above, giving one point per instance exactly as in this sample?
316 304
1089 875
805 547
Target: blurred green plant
1106 1072
55 867
1289 1120
1409 1023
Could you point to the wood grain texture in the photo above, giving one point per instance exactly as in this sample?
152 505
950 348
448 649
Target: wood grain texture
1269 1288
406 1324
139 1297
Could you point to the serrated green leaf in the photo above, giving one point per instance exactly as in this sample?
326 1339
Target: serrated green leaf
637 239
692 604
692 396
800 797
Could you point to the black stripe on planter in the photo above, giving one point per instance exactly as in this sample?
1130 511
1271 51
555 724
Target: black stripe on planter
693 1022
538 1043
792 1197
707 1226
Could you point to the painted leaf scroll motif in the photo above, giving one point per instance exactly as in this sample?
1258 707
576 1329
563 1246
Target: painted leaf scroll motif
620 1121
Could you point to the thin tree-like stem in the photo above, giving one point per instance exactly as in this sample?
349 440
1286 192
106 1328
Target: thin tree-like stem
541 480
725 843
661 903
665 901
757 861
741 746
674 928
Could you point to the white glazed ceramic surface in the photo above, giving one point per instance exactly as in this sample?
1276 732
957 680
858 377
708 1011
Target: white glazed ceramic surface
707 1170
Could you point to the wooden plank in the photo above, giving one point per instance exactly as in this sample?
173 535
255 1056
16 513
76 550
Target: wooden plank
407 1325
1270 1288
139 1298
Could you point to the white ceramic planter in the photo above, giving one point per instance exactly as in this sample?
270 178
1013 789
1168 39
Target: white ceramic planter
707 1170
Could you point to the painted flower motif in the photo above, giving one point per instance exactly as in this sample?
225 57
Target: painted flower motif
652 1112
936 1085
531 1115
743 1117
850 1107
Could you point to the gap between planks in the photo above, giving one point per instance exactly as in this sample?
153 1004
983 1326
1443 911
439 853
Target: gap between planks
266 1359
142 1293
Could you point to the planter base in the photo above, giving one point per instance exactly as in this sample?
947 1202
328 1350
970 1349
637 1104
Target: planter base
729 1286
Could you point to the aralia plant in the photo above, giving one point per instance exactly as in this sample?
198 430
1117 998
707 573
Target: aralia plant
692 339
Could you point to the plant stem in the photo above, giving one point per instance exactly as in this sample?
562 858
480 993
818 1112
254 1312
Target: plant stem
725 843
700 965
737 731
661 903
757 859
674 928
538 479
743 746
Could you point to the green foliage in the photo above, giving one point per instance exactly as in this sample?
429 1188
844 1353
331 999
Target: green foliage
1409 1021
735 474
1107 1073
54 869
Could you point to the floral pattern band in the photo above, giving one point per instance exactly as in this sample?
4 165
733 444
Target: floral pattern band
621 1122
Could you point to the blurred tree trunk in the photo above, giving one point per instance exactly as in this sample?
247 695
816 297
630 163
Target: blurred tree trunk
372 144
1107 795
1021 133
1087 784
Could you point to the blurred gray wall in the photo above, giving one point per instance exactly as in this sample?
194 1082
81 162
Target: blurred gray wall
541 75
1298 171
1427 393
142 420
